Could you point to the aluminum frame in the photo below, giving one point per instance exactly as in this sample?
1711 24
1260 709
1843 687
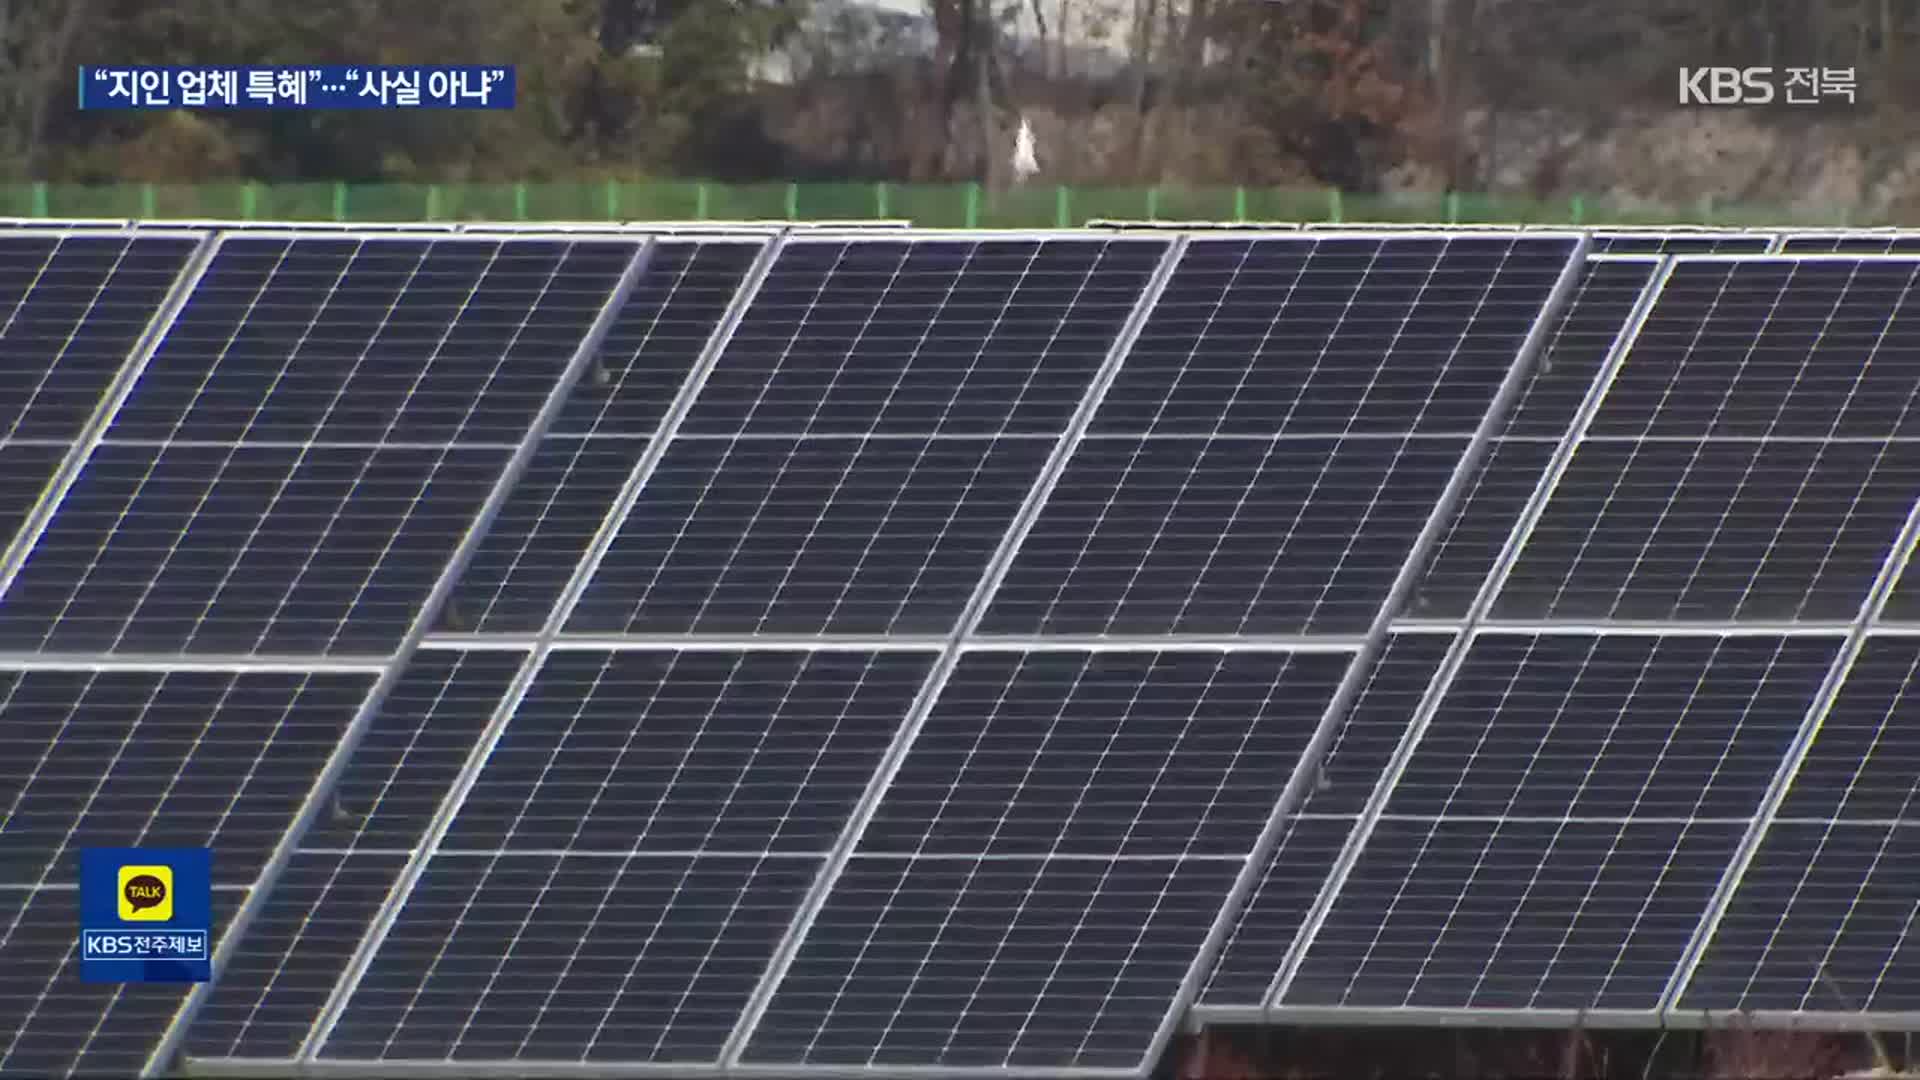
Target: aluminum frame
977 605
374 937
173 1039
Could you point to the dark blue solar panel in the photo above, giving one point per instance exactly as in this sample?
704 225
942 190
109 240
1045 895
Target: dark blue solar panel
1822 921
204 548
1828 901
1715 529
1334 336
667 751
373 339
1028 963
1224 536
71 309
298 945
1555 839
179 759
810 535
643 958
1855 244
540 534
1104 753
1681 243
25 469
1353 766
658 335
1774 347
952 336
51 1023
1864 765
614 855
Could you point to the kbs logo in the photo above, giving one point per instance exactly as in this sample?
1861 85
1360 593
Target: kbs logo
1760 86
1726 86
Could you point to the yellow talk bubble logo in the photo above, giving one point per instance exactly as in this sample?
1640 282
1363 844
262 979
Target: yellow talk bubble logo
146 893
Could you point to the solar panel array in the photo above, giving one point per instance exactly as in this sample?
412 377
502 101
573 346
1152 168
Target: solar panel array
772 652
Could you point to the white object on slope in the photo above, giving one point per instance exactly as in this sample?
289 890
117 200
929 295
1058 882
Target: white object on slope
1024 163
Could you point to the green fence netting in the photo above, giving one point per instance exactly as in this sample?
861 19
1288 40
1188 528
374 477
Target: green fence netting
929 205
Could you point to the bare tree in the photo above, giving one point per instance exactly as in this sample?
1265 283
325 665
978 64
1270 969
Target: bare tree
36 41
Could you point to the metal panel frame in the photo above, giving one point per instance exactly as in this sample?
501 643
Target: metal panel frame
173 1040
94 431
1856 642
253 1068
930 691
442 821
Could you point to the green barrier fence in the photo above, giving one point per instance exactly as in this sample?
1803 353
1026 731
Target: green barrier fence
929 205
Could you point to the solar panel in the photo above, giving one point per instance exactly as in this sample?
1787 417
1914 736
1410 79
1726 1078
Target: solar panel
117 757
1638 243
1314 834
946 337
71 308
645 826
272 992
1714 530
1853 244
924 824
1562 823
1820 920
308 444
1225 536
599 438
1063 821
1594 324
955 363
1334 335
1772 347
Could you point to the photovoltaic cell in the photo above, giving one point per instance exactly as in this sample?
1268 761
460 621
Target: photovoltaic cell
71 309
1022 962
1822 919
781 535
1715 529
656 338
1466 553
1559 831
634 849
1773 347
1104 753
1681 243
1352 767
160 759
542 531
1333 335
1854 244
946 336
272 990
372 339
51 1023
242 549
1223 536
